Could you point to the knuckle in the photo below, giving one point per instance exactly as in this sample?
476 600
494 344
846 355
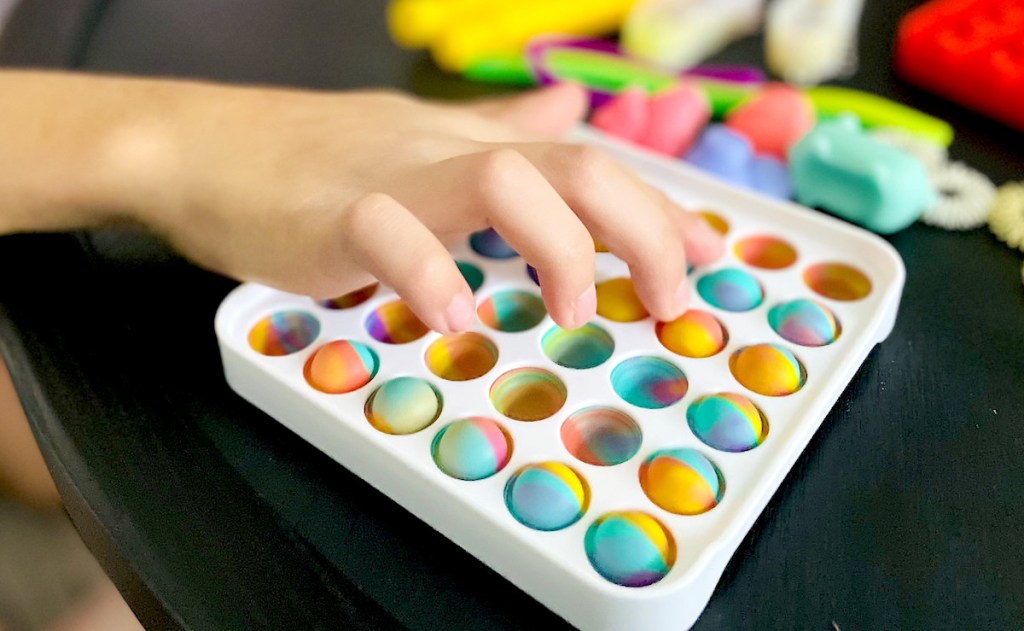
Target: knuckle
498 170
589 163
659 246
577 251
667 249
428 269
365 214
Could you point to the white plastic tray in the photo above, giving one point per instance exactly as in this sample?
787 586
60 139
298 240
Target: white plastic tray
553 566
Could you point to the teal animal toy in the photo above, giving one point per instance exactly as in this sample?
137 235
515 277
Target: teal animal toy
839 168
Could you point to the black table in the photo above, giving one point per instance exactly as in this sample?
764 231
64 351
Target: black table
905 511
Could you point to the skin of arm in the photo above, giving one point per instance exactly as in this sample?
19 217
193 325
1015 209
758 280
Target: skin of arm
321 193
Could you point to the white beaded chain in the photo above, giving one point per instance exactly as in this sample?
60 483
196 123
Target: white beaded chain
965 197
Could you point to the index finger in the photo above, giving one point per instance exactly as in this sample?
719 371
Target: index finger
638 223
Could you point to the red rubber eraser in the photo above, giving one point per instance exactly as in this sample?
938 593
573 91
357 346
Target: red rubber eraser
969 51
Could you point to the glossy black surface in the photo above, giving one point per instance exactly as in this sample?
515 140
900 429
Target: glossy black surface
905 510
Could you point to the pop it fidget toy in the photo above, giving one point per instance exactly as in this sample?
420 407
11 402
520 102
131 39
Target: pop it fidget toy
609 471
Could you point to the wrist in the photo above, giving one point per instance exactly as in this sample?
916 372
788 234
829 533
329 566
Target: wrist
138 166
76 151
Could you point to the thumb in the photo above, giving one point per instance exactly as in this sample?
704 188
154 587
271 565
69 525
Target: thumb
549 112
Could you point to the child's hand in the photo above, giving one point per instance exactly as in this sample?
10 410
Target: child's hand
320 194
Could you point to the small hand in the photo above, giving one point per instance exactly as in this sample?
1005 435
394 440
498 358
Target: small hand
322 194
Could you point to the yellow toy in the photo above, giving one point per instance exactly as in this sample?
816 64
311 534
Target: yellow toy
460 33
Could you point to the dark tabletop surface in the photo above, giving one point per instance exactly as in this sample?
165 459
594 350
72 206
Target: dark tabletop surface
905 511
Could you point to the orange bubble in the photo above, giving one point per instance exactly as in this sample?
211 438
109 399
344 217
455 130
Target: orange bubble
837 281
768 369
695 334
681 481
341 366
765 252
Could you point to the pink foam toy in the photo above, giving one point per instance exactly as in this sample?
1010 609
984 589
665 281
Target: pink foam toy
668 122
626 116
774 119
676 118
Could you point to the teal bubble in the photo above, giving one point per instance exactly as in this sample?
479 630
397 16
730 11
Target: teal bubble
585 347
649 382
474 275
621 548
730 289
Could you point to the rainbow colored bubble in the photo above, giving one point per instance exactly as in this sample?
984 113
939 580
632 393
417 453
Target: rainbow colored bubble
837 281
694 334
804 322
471 449
727 422
730 289
682 481
649 382
528 394
581 348
768 369
341 366
601 436
512 311
351 299
488 243
395 323
461 357
403 405
630 548
283 333
766 252
547 496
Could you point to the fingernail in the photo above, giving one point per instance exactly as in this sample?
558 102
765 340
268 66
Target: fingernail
585 307
460 313
682 297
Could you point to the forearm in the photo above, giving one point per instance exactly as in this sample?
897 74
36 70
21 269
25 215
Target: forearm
322 193
79 150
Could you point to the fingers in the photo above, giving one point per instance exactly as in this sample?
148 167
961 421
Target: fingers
528 213
703 243
549 201
548 113
500 188
626 215
390 243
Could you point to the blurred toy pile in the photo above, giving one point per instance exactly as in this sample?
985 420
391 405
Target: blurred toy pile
856 155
